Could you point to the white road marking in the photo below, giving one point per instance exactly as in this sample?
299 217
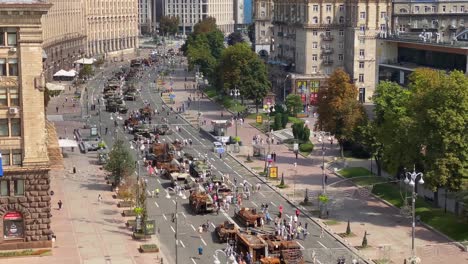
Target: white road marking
193 227
321 244
254 203
273 203
149 193
174 201
213 225
157 205
182 243
300 244
165 218
193 261
184 215
159 181
204 243
262 194
212 159
173 230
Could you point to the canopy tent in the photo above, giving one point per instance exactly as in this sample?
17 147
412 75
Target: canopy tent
54 87
61 73
85 61
67 143
72 73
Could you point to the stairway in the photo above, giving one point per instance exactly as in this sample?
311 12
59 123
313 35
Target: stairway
53 148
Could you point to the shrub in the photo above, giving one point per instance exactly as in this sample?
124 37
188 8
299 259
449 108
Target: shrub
306 147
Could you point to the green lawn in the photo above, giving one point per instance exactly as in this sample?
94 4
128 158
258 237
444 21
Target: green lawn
293 120
448 223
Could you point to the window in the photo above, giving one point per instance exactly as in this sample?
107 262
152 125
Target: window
361 53
315 8
341 8
444 8
15 127
314 57
383 27
11 38
327 33
361 77
341 20
328 8
262 33
17 157
314 45
341 33
361 65
340 57
362 95
462 8
315 20
2 38
19 187
13 67
427 9
329 20
4 188
362 28
3 97
314 69
454 9
341 45
433 9
416 9
9 97
3 67
362 15
314 33
4 127
383 14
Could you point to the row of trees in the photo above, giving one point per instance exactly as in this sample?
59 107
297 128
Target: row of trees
234 67
424 124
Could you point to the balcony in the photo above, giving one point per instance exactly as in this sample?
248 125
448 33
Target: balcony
326 37
327 62
327 50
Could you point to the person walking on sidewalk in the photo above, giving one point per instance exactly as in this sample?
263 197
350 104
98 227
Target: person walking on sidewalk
60 204
99 198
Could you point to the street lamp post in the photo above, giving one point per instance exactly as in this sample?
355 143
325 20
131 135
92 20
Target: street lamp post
322 134
235 94
284 86
410 179
269 110
175 219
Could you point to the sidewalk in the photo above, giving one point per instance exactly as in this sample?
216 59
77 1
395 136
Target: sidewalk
389 233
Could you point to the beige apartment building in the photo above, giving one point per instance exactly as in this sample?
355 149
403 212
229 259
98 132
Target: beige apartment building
25 210
192 12
262 17
111 26
63 33
313 38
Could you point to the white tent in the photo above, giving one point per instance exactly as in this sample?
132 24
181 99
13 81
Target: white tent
61 73
67 143
54 87
85 61
72 73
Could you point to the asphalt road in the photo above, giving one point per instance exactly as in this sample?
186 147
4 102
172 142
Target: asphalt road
327 249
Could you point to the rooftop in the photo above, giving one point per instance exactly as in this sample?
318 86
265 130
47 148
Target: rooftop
21 1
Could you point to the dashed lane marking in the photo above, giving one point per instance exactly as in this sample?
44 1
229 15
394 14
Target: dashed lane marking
193 227
173 230
254 203
273 203
203 241
300 244
321 244
157 205
165 218
182 243
193 261
184 215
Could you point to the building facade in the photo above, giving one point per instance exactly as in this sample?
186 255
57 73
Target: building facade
262 17
25 208
111 26
145 16
426 33
313 38
192 12
63 34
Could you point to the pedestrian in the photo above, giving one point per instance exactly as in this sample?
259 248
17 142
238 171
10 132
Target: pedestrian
296 152
60 204
326 179
99 198
200 250
107 130
56 108
74 170
297 212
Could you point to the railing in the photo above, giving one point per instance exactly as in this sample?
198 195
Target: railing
327 37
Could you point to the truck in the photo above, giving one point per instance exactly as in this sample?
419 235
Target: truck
201 202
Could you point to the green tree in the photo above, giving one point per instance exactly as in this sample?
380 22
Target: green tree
121 163
339 111
278 124
234 38
367 136
169 25
240 68
86 71
206 25
294 104
198 54
216 42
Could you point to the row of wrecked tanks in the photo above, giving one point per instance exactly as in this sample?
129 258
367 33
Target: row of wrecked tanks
116 93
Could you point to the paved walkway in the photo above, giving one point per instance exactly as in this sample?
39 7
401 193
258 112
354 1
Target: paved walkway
389 233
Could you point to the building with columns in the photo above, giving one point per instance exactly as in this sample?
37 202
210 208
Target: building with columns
313 38
192 12
64 35
110 26
25 210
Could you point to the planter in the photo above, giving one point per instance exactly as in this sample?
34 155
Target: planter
125 204
139 236
131 223
127 213
149 248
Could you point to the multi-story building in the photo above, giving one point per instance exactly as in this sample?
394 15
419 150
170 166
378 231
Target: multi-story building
313 38
111 27
25 208
429 33
242 13
192 12
63 34
145 16
262 16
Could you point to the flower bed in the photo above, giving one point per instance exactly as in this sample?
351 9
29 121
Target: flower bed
139 236
127 213
149 248
125 204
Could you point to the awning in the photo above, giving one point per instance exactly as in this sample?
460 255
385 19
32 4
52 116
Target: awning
85 61
54 87
72 73
67 143
61 73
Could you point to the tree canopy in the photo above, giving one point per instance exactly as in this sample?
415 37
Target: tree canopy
294 104
121 163
169 25
339 111
206 25
234 38
241 68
